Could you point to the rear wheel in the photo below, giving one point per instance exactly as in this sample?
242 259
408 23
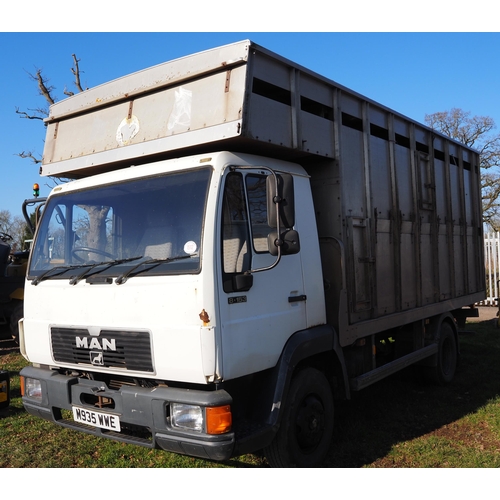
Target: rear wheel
447 357
305 433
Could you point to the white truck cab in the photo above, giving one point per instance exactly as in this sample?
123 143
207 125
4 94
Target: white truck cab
155 251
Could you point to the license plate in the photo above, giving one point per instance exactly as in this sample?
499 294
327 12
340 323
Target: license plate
96 419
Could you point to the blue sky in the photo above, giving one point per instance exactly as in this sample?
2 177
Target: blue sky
415 73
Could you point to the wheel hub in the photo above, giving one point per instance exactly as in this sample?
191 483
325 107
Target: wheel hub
310 423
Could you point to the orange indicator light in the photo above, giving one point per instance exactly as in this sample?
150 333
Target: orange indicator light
219 419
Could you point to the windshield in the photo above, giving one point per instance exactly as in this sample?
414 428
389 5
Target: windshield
110 229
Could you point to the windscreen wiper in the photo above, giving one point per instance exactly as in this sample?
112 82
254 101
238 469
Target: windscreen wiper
47 274
151 262
62 269
75 279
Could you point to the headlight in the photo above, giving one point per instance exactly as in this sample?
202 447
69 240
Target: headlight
212 420
187 416
32 388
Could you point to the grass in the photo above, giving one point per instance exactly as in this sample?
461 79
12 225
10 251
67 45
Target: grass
402 422
27 441
399 422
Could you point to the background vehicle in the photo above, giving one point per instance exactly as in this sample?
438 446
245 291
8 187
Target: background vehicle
12 278
13 267
185 293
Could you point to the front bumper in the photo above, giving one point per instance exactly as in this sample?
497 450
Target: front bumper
143 412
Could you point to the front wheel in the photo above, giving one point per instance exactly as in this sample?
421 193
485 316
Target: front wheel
306 429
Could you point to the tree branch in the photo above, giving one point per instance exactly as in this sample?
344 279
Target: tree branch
76 73
44 89
23 114
47 91
31 156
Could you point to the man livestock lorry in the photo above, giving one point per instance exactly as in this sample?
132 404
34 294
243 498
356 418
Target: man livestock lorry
244 242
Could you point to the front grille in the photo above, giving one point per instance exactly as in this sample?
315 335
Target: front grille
110 349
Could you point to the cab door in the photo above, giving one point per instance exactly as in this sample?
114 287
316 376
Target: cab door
261 310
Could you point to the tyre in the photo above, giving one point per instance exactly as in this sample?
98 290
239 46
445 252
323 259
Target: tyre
16 315
447 357
305 433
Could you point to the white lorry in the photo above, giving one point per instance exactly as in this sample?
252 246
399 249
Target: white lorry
244 242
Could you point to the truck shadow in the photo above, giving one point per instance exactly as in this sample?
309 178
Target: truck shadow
404 407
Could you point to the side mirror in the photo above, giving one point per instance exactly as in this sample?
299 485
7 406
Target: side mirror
285 200
289 242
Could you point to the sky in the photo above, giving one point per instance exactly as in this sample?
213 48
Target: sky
414 73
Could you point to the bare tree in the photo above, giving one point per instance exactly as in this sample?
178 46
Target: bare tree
97 216
46 91
476 132
14 227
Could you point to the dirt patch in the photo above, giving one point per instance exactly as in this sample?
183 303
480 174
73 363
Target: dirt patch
478 435
485 314
459 435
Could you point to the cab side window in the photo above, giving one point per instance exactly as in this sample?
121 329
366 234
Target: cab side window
257 204
235 232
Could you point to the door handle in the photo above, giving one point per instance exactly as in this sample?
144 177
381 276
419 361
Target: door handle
297 298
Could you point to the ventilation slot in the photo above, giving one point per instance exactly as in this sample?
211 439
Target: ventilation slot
422 148
379 132
316 108
352 122
403 141
270 91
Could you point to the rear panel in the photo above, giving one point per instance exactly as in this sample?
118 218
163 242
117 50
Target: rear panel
407 223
